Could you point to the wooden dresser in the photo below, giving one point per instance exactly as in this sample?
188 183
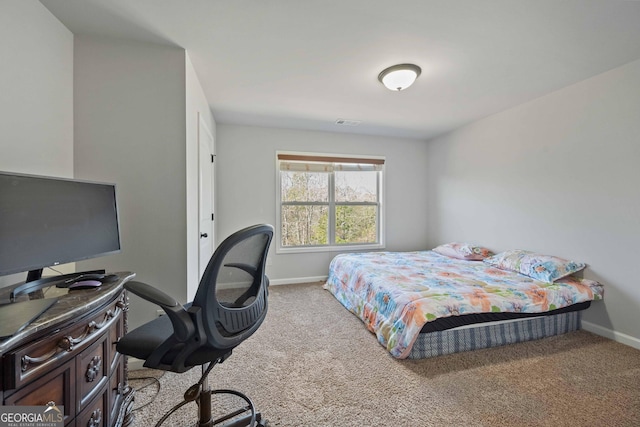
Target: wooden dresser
68 356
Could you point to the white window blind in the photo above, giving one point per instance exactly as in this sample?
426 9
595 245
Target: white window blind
304 163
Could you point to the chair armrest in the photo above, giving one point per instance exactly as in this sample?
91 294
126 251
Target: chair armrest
150 294
183 327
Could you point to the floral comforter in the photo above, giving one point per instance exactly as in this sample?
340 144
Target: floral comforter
396 293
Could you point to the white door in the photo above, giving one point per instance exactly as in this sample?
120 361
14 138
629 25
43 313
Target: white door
205 196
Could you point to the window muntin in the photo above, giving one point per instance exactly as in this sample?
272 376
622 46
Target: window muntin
329 202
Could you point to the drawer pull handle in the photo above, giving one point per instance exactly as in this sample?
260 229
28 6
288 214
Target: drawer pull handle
67 343
96 418
93 369
107 316
28 360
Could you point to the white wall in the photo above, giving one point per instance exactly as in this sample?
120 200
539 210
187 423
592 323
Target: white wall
36 87
36 83
130 105
246 177
196 105
558 175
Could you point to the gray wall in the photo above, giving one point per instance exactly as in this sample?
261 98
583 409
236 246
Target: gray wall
558 175
246 177
134 107
136 119
130 129
36 87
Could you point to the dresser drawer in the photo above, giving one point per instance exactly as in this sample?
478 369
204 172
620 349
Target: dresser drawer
92 370
116 331
95 414
32 360
56 386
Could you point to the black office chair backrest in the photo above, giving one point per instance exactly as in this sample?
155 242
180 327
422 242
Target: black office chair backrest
233 290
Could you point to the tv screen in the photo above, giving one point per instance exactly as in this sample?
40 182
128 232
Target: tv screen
48 221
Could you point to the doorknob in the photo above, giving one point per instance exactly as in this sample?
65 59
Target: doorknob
204 235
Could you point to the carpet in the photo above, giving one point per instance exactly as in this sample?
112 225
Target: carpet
313 363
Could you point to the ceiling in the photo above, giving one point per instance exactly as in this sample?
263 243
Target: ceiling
305 64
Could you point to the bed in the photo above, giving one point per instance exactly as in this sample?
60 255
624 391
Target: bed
423 304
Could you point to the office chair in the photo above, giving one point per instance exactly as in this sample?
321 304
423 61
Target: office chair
229 306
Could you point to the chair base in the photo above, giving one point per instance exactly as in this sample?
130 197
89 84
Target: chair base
201 394
244 421
252 419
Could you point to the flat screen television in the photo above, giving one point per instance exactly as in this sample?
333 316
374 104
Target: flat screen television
46 221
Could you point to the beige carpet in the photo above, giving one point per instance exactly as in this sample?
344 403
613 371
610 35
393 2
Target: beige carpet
312 363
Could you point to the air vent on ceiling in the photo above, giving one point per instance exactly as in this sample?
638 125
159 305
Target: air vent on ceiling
343 122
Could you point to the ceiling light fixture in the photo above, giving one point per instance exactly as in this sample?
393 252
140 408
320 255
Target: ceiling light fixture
399 77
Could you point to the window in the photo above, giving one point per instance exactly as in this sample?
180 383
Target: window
329 202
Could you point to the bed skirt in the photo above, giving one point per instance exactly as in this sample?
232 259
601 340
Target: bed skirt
473 338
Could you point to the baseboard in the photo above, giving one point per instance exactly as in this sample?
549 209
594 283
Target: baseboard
608 333
298 280
134 363
275 282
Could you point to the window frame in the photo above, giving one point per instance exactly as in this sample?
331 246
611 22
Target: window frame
331 205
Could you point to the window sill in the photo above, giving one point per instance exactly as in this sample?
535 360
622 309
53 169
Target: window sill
337 248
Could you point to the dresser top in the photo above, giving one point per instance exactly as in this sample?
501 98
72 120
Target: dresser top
69 304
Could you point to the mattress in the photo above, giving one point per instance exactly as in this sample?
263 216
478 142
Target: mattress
397 294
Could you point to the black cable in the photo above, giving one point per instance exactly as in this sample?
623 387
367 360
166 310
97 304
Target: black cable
60 273
154 380
57 271
188 396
